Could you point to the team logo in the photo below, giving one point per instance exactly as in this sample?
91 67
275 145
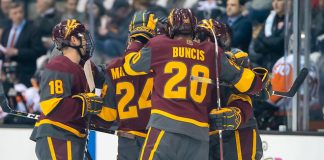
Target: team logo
70 25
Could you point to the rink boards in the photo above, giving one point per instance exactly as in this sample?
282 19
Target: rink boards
15 145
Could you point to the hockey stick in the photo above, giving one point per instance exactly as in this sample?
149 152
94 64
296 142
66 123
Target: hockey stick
211 28
89 76
292 91
87 68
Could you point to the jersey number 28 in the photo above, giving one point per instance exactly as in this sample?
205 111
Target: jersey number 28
174 91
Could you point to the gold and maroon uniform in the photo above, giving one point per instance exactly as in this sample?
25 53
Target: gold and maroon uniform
131 94
178 104
62 121
132 98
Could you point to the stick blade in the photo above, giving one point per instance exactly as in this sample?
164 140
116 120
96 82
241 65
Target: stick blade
297 83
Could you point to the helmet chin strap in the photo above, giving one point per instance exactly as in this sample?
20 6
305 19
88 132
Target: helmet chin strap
83 58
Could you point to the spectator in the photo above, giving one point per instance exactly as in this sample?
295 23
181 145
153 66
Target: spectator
71 11
101 26
141 5
47 18
98 12
317 22
23 44
207 9
114 33
240 25
170 4
32 96
270 41
259 10
319 59
4 15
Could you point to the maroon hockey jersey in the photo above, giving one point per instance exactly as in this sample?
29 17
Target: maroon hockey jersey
61 115
132 95
178 104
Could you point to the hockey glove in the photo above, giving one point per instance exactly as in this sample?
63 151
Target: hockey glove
225 118
91 103
239 57
266 82
142 27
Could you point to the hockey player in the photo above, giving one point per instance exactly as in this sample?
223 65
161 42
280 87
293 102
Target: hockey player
178 126
131 94
242 141
60 132
240 138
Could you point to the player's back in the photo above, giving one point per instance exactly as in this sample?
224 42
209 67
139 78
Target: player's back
132 98
177 102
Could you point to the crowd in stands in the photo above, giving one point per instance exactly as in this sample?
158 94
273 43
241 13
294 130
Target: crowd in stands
258 28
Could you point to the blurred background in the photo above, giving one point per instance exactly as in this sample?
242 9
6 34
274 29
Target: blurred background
280 35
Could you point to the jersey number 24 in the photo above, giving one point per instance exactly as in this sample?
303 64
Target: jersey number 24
143 100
